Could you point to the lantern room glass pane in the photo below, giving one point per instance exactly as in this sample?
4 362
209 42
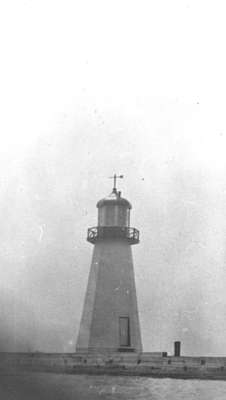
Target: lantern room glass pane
101 216
122 216
110 216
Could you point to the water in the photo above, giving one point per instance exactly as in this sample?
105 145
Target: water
49 386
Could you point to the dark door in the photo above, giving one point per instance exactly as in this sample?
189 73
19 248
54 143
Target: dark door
124 331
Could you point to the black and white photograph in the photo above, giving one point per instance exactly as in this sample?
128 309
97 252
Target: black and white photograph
112 200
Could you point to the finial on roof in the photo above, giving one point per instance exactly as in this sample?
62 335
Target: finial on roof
115 177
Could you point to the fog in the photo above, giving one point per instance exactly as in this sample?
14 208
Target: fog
94 88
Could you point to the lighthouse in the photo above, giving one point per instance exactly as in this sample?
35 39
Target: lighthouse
110 321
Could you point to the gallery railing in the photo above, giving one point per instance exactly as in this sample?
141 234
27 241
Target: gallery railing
131 235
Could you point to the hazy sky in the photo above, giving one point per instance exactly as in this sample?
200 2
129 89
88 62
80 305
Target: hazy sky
89 88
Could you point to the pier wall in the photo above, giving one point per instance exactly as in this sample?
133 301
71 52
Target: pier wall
144 364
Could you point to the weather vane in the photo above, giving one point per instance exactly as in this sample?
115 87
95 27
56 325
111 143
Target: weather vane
115 177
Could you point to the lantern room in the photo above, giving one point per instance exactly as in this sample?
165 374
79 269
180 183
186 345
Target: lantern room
114 210
113 220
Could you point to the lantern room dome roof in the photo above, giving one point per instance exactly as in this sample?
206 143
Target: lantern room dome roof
114 198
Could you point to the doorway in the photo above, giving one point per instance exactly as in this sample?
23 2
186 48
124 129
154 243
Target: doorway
124 332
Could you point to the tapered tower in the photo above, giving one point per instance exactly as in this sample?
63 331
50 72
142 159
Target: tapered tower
110 319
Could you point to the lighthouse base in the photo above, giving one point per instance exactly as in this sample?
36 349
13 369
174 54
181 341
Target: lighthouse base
94 350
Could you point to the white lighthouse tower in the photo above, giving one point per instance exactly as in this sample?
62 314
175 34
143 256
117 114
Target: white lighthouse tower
110 319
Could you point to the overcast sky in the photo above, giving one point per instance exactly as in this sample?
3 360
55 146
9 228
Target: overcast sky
89 88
